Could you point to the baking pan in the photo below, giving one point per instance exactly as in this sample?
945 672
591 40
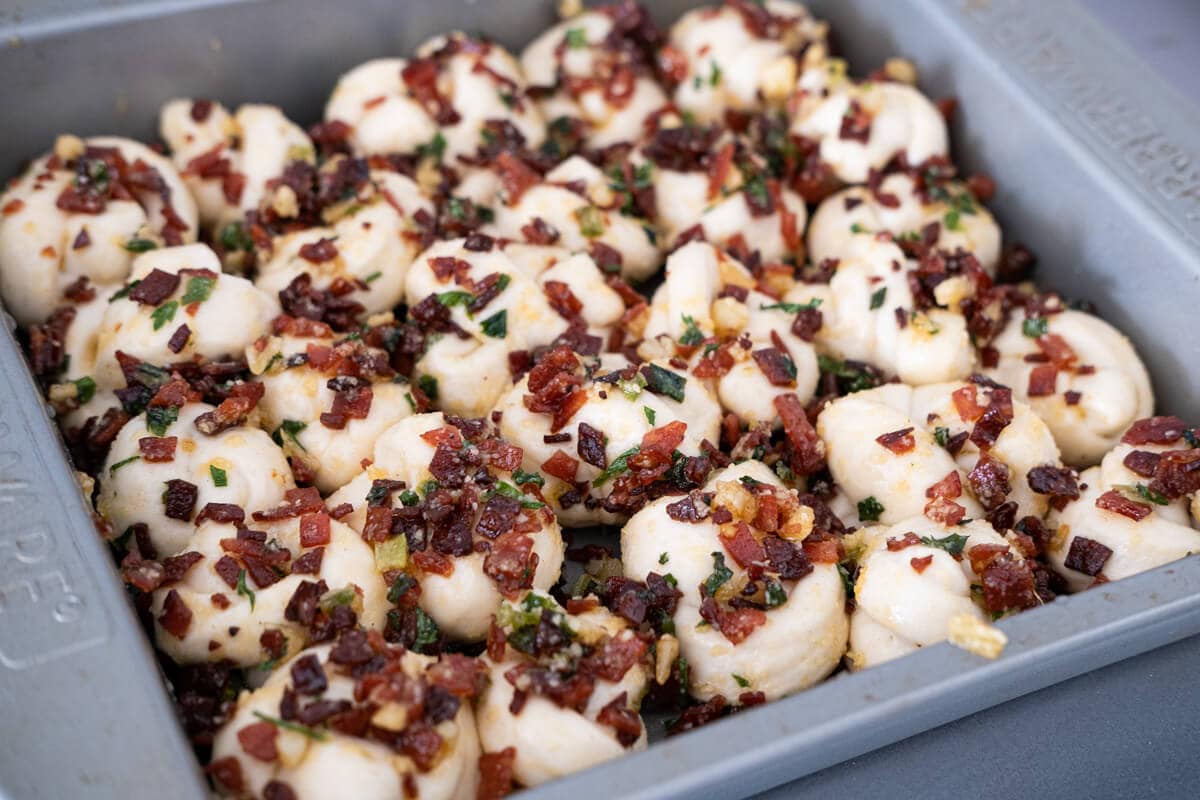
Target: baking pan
1099 169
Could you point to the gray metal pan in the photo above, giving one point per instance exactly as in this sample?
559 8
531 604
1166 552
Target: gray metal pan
1097 160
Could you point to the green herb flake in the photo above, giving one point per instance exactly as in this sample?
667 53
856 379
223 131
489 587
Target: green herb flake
847 580
455 297
714 77
650 415
692 335
159 418
576 38
941 435
409 498
615 467
374 276
136 245
952 544
671 580
739 680
951 220
400 587
791 308
850 378
294 727
521 477
290 428
199 288
496 326
663 557
869 510
436 147
1146 493
85 389
774 594
510 491
591 221
164 313
427 632
1033 327
219 477
124 291
721 574
243 590
857 228
783 471
429 385
878 297
663 381
113 469
233 237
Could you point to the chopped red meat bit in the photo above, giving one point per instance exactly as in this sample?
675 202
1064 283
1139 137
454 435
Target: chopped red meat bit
1117 503
1058 482
899 442
590 444
807 451
945 511
735 624
258 740
663 441
515 175
314 529
1143 462
561 466
156 287
1087 556
179 499
511 563
989 480
743 547
776 365
626 723
966 403
1155 430
919 564
176 617
1177 473
948 488
1042 380
496 774
227 772
156 450
1055 348
908 540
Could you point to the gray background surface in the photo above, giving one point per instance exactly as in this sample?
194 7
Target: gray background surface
1093 736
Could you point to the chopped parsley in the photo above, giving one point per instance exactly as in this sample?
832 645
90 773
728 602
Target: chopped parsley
851 378
199 288
429 385
721 574
576 38
1146 493
521 477
775 594
136 245
508 490
870 509
409 498
436 147
650 415
756 188
113 469
857 228
714 77
164 313
294 727
234 237
847 581
739 680
941 435
591 221
877 297
1033 327
219 476
374 276
952 544
290 428
663 381
791 308
692 335
159 418
243 590
455 297
85 389
496 326
615 467
124 291
663 557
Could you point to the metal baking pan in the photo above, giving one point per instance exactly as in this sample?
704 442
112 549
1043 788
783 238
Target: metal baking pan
1097 163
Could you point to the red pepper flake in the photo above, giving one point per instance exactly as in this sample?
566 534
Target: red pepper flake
258 740
919 564
1155 430
496 774
1042 380
156 287
1087 556
176 617
319 251
157 450
1117 503
899 442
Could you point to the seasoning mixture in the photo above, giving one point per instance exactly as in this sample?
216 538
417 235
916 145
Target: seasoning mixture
345 396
